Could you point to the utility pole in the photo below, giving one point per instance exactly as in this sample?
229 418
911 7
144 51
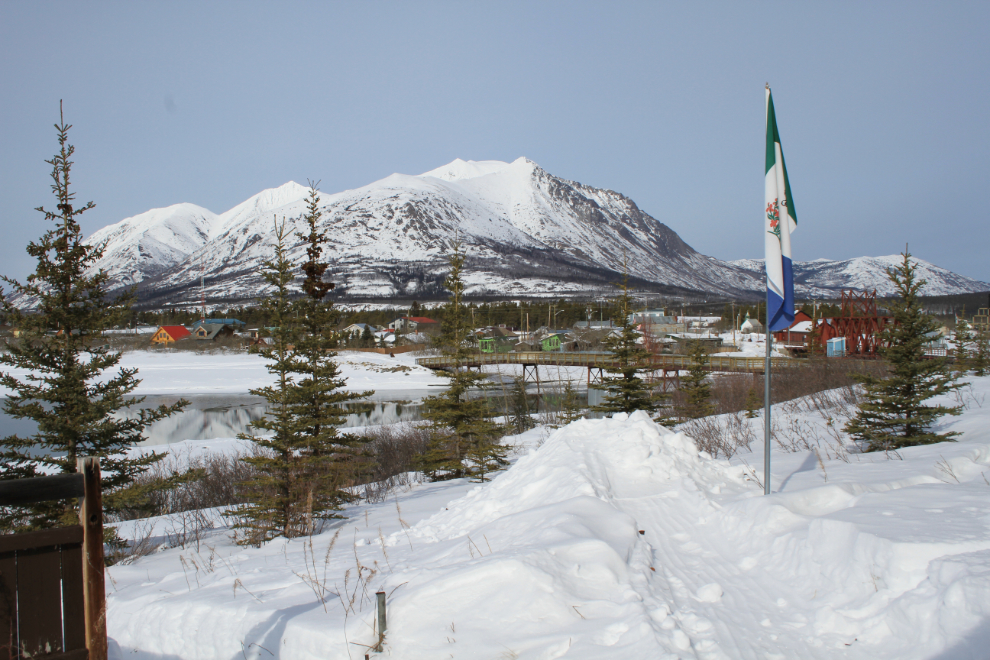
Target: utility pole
733 323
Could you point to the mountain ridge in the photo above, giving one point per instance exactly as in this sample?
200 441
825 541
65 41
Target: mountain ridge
524 230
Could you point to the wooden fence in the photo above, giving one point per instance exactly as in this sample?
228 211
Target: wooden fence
52 598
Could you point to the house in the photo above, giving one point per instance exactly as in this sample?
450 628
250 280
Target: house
414 324
498 339
233 323
797 333
497 344
260 335
356 330
552 342
751 325
167 334
212 331
652 317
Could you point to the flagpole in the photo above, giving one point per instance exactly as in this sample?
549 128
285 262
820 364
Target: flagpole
766 410
766 380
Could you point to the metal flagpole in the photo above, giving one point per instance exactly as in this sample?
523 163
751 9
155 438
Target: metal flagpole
766 408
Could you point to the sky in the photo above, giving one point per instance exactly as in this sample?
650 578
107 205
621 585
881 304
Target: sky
883 109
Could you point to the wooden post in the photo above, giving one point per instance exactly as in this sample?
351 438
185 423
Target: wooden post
382 623
94 587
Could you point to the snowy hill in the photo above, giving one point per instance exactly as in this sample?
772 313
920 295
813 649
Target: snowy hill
611 538
824 278
150 243
525 231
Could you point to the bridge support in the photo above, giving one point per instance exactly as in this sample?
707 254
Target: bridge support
667 379
531 374
595 375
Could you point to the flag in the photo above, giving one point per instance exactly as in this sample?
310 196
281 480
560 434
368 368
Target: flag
781 220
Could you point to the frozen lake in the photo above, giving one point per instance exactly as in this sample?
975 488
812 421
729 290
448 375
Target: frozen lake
227 415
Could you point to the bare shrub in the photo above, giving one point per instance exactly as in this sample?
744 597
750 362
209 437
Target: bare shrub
394 450
729 391
210 480
725 434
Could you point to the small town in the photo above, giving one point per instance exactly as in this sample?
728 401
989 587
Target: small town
432 330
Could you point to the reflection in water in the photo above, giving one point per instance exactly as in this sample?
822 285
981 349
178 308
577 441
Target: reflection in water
211 416
226 416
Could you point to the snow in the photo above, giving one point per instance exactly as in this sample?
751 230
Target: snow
823 278
148 243
608 538
459 169
181 372
386 236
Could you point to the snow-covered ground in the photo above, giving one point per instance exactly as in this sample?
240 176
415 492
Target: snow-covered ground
166 371
610 539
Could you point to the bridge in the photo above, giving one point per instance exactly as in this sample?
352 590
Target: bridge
661 368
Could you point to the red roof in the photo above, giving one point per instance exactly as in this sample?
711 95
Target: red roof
420 319
175 331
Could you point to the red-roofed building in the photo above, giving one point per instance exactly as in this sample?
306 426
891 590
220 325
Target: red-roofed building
798 332
167 334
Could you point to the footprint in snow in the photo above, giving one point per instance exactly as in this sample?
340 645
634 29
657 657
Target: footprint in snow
709 593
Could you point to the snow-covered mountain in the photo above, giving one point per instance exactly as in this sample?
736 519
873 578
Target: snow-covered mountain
150 243
525 231
823 278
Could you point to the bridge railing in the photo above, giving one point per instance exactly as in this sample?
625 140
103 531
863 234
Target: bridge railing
604 360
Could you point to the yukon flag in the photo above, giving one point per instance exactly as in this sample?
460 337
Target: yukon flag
781 220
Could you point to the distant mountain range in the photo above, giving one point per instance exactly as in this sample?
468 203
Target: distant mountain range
525 231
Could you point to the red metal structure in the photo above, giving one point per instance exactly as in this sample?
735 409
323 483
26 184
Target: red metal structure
858 321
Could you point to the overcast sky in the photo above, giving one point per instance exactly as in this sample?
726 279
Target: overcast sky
882 109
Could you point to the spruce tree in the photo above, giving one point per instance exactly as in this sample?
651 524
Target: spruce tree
696 391
463 436
74 386
275 494
893 413
327 457
979 360
961 340
625 390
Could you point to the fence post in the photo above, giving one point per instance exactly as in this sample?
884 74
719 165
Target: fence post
382 623
94 587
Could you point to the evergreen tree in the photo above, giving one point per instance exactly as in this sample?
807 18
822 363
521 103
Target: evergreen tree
979 361
328 458
414 309
625 390
276 493
961 340
893 414
462 431
696 391
68 393
367 337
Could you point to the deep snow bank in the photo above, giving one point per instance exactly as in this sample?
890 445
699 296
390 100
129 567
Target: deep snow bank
615 538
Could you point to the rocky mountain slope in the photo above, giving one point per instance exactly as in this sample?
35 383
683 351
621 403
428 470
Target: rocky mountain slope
150 243
525 231
823 278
